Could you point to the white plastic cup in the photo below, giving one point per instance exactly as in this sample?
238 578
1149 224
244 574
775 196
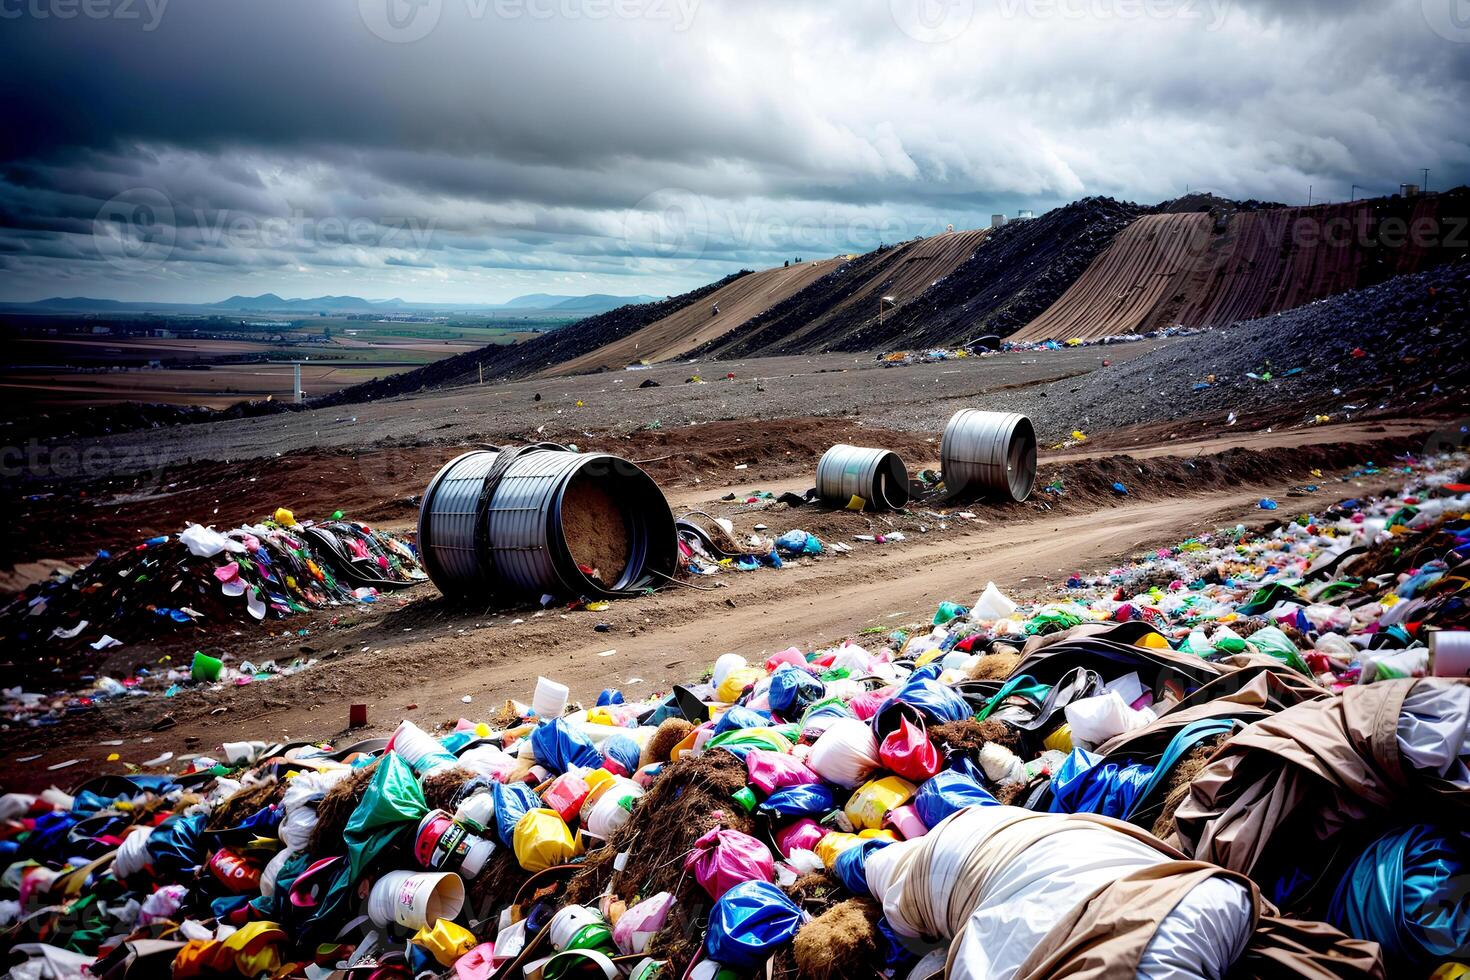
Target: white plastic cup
550 699
414 899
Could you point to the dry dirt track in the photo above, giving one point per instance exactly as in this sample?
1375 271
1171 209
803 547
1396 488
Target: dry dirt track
420 659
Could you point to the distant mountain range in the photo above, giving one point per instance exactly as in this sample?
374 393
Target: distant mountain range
534 303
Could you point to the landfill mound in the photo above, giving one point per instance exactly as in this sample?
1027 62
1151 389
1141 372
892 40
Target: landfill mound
697 323
1195 764
1201 270
831 310
1017 271
501 362
1332 358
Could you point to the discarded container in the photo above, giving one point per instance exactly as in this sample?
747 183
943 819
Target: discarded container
206 668
990 453
544 520
414 900
550 699
875 476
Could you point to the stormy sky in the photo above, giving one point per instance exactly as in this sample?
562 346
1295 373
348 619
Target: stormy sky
474 150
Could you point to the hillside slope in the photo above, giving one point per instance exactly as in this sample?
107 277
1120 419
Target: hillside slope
694 325
829 313
502 362
1180 269
1015 273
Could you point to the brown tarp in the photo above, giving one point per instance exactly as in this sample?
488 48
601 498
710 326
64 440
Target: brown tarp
1329 765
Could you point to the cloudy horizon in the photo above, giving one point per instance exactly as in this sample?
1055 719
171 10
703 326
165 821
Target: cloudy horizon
469 151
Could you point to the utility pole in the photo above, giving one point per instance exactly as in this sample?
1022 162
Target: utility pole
1353 194
1309 195
481 366
1424 185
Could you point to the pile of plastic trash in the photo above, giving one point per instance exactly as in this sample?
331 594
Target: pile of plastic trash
277 568
1222 758
933 355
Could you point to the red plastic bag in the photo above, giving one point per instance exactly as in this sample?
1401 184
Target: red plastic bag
907 752
865 706
722 859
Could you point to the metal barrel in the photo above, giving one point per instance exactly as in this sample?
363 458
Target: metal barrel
989 453
513 542
878 476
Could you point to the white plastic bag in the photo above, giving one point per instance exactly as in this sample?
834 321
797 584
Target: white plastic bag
1095 720
845 753
992 604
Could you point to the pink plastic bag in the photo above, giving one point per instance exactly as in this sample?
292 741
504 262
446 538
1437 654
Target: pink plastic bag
722 859
802 835
865 706
639 923
790 655
906 751
770 771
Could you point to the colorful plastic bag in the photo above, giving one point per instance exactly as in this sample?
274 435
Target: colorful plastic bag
722 859
793 689
771 771
512 801
906 751
559 746
642 922
815 800
392 805
542 840
749 922
845 754
804 835
851 864
871 803
948 792
445 940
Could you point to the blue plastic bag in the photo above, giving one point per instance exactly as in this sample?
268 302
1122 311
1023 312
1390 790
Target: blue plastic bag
511 803
794 543
813 800
176 846
921 699
748 923
741 717
559 747
1084 783
1407 892
947 792
793 690
623 751
851 865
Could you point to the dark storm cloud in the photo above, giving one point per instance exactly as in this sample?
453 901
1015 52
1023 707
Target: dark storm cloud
523 144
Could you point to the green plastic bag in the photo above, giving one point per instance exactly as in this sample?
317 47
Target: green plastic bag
392 805
1274 643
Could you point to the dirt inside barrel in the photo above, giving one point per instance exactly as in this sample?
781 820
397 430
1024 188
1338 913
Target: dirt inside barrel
595 529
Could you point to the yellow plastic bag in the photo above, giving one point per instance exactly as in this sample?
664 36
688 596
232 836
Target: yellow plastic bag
447 940
872 801
829 847
884 834
1061 739
542 840
736 682
284 517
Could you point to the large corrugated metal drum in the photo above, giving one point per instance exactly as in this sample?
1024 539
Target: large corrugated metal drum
878 476
550 521
992 454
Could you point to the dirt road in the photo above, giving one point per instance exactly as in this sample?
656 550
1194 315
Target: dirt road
420 659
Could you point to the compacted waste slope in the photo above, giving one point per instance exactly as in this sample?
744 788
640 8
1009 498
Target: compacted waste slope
696 323
839 305
1191 270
